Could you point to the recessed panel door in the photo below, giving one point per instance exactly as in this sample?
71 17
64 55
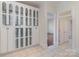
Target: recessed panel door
10 38
65 29
4 47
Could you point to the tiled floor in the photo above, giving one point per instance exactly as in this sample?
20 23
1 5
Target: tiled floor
62 51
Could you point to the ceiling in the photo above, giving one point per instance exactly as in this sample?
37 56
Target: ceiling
37 3
31 3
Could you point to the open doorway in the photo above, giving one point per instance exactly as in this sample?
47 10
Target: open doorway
65 28
50 33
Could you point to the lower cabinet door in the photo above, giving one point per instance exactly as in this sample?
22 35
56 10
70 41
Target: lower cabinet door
35 36
7 40
3 43
11 39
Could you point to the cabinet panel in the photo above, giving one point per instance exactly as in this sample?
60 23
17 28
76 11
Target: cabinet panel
4 8
21 11
3 40
26 41
4 17
35 36
17 10
11 39
17 43
10 8
18 26
26 12
21 42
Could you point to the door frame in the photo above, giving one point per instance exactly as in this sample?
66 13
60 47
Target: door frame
55 41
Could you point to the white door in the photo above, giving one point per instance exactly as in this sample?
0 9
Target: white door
65 30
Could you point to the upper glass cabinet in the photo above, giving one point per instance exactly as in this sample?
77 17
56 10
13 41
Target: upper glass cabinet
30 12
21 32
34 13
17 32
21 11
17 9
30 31
21 20
26 12
10 8
4 7
37 19
4 19
37 14
17 21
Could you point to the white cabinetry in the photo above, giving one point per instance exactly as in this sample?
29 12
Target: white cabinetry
18 26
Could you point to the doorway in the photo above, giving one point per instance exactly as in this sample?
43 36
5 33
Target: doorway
50 32
65 28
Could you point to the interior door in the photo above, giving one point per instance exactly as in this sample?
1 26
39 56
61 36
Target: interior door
65 30
50 33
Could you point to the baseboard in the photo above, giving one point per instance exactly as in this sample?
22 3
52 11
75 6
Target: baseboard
3 54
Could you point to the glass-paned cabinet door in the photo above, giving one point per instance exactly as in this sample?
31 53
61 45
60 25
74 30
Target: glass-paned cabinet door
26 12
34 22
17 32
34 13
17 10
4 8
30 40
26 41
10 18
21 42
21 20
21 32
26 21
37 14
17 21
30 12
30 31
37 18
34 19
10 8
26 32
21 11
30 21
4 19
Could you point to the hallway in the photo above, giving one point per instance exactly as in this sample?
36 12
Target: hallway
39 29
62 51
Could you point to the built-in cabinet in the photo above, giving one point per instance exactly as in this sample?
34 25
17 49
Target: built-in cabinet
18 26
